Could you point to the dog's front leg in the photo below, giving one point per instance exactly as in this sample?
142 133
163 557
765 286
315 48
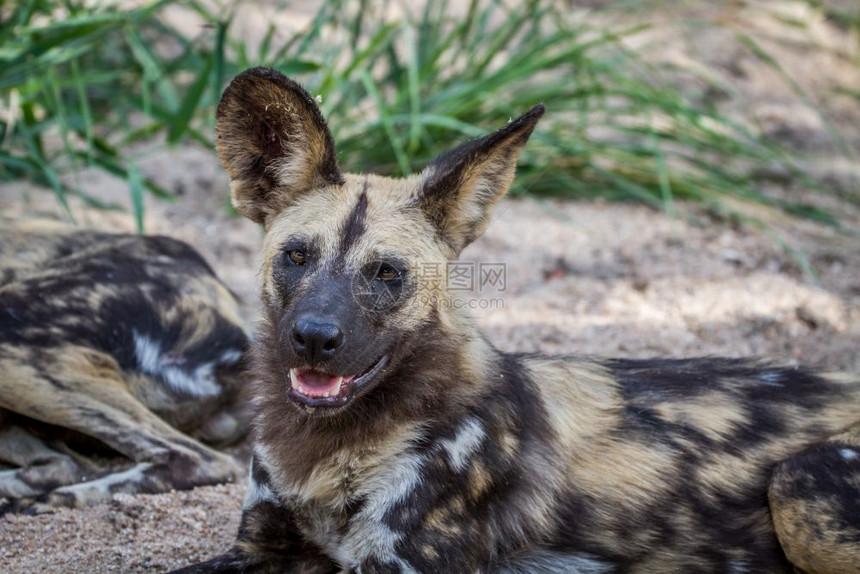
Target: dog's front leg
268 542
269 539
238 561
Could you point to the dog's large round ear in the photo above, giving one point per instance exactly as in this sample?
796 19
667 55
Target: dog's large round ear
273 142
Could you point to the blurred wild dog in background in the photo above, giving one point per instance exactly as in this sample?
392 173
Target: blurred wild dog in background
112 344
392 437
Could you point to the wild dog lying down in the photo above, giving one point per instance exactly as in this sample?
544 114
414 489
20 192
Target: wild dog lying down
393 437
116 341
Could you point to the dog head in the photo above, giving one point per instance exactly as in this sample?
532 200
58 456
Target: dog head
344 294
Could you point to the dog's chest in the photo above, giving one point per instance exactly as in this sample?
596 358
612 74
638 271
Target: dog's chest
344 506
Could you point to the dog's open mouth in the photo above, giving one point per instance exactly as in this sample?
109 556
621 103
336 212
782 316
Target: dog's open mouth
316 388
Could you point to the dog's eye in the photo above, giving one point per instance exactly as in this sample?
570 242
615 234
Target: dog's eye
387 273
297 256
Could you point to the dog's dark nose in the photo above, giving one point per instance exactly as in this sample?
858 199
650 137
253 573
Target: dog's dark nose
316 339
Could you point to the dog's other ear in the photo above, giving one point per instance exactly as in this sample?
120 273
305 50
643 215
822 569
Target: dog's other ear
273 142
460 186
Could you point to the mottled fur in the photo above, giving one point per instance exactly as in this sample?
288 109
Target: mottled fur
457 457
112 344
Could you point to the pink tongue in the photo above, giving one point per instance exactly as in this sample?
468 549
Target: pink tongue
317 380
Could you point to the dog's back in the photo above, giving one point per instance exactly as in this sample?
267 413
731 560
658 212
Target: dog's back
666 462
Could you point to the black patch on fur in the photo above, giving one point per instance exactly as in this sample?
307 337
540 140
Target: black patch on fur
286 275
764 390
378 567
259 473
237 561
354 226
823 473
278 546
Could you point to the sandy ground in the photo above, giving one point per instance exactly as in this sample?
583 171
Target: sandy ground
597 278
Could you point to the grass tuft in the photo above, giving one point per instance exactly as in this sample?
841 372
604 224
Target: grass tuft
79 86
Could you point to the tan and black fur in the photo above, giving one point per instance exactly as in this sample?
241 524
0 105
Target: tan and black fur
450 456
112 344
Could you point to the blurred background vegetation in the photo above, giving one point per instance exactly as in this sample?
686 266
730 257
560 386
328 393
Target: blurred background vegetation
83 83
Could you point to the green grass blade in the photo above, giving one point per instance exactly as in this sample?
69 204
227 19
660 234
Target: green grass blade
135 186
180 122
219 56
385 118
412 68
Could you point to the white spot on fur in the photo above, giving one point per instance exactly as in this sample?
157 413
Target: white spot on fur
469 437
148 353
848 454
230 357
772 378
95 489
152 361
200 382
393 483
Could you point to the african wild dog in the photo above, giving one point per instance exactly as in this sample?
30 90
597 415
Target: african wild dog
112 344
395 438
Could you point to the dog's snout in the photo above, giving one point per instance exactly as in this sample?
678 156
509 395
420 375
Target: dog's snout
316 339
